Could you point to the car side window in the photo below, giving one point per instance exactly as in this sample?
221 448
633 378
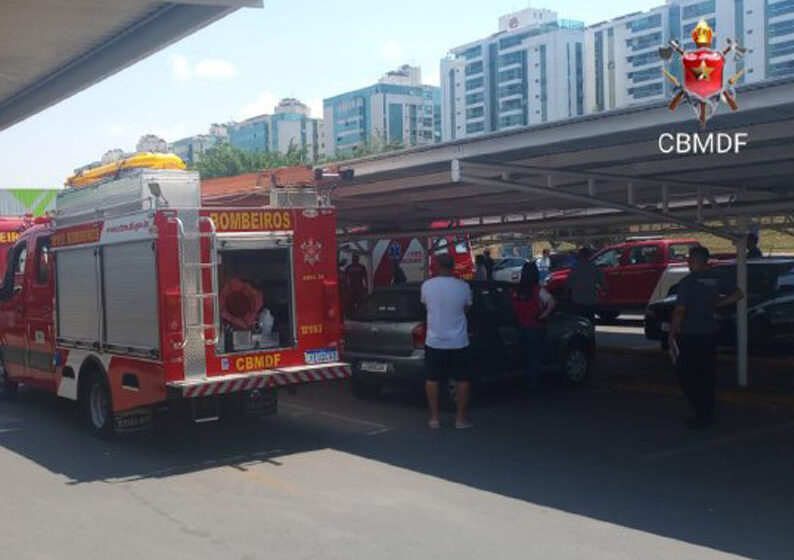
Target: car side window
644 254
609 259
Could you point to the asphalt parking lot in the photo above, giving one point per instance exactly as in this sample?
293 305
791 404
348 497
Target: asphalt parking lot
590 473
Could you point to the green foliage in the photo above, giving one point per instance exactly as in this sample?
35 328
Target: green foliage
224 160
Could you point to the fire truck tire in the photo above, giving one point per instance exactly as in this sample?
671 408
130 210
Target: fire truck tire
97 404
8 388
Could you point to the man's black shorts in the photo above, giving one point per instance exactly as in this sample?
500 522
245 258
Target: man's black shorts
443 364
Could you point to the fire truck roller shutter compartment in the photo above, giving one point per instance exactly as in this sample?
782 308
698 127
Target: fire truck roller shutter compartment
130 290
257 299
78 296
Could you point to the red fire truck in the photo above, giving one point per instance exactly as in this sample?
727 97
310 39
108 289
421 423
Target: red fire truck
136 296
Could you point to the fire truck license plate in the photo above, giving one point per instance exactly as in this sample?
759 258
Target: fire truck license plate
321 356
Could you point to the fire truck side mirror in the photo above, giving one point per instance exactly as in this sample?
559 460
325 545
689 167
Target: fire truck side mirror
154 188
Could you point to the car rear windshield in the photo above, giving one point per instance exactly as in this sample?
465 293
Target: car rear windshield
390 305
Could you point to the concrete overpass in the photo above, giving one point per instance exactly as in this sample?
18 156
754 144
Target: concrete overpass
52 49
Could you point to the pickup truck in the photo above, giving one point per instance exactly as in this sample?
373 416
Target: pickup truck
631 270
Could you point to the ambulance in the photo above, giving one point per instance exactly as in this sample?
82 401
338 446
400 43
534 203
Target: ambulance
136 297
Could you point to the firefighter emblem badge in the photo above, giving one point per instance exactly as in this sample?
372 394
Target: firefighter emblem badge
312 251
703 84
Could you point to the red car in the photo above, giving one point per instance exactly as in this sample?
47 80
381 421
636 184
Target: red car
631 272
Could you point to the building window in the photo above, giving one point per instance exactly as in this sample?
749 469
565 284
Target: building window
511 105
475 113
512 74
512 89
511 58
700 9
473 98
780 69
511 120
646 91
475 127
474 52
512 41
644 58
781 49
780 28
645 75
474 68
474 83
774 10
647 22
645 41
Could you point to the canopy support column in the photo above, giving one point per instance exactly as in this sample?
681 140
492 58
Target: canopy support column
741 306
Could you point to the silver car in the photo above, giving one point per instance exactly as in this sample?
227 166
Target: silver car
384 339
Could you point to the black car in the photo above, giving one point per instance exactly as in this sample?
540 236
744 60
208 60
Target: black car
770 307
384 338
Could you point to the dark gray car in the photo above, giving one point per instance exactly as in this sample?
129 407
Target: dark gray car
384 339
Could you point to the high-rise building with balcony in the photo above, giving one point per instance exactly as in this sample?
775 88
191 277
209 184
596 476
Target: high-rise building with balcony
531 71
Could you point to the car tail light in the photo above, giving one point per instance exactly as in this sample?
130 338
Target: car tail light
418 335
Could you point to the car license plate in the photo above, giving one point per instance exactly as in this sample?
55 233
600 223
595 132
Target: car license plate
321 356
375 367
665 327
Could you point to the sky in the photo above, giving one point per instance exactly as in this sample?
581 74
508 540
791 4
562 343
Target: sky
243 64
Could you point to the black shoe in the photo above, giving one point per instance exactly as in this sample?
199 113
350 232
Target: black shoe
699 422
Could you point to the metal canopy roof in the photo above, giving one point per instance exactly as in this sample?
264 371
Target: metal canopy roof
584 174
52 49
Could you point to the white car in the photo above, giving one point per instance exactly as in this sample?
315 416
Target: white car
671 276
508 269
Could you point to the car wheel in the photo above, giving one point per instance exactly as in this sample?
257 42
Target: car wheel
99 405
8 388
576 365
608 316
365 390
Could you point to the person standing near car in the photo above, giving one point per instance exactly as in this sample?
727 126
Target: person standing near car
447 300
489 264
753 252
532 305
584 283
480 273
544 264
357 281
693 333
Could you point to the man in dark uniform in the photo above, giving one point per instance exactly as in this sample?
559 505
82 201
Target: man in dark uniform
693 332
489 264
753 252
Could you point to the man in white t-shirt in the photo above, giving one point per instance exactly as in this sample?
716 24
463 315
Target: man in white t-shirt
447 299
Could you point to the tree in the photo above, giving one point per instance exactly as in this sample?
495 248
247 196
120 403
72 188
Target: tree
224 160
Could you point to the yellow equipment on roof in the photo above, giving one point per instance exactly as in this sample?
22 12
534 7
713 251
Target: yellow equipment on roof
91 176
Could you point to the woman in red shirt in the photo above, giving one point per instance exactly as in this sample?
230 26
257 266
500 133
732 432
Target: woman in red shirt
532 305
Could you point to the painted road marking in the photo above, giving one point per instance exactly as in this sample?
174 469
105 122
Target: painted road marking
720 442
303 411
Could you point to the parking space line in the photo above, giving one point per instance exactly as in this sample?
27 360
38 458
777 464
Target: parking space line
303 411
720 442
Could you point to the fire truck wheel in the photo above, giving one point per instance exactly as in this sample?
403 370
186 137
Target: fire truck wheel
8 388
98 405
